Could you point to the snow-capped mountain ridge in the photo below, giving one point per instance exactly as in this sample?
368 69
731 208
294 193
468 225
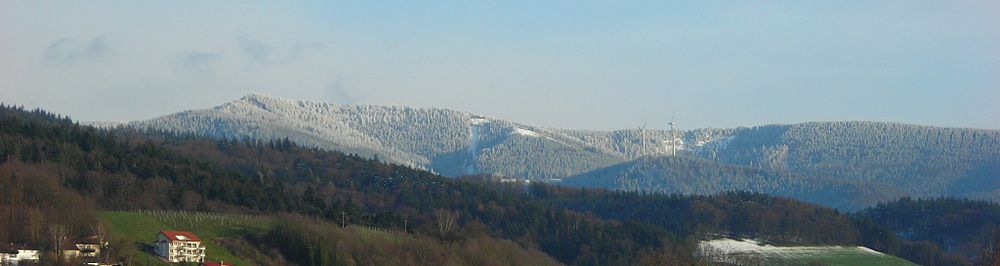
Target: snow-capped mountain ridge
447 141
867 161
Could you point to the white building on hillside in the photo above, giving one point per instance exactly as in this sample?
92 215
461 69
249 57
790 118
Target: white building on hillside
179 246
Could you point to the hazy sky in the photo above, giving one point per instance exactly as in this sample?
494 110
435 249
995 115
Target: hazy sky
576 64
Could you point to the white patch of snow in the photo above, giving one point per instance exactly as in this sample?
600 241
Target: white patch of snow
557 141
478 121
474 133
524 132
728 247
866 249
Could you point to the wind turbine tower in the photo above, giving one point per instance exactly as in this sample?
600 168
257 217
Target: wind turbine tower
673 138
642 150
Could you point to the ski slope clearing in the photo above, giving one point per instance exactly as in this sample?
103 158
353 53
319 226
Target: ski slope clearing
524 132
750 252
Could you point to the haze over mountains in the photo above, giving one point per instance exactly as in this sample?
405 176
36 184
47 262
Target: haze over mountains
848 165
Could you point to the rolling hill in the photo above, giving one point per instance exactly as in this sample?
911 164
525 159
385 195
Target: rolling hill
923 161
864 162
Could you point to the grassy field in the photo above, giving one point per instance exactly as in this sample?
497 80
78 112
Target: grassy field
141 228
750 252
840 256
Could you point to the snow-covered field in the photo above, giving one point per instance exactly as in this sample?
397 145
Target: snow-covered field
750 252
732 246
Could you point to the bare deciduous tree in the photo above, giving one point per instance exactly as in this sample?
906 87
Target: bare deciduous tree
34 224
446 220
101 234
58 235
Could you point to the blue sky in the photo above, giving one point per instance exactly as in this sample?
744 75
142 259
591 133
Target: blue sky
574 64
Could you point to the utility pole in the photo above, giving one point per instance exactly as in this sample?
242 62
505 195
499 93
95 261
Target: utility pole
343 219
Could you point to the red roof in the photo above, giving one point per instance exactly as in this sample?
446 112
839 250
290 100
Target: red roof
210 263
180 235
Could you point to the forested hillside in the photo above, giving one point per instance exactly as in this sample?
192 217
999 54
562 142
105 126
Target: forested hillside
449 142
452 143
922 161
865 162
758 216
55 168
970 228
696 176
75 170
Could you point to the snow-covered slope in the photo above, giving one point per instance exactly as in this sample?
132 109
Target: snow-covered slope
447 141
822 162
750 252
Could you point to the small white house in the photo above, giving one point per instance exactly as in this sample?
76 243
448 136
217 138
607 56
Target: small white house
179 246
13 254
90 247
7 255
70 250
27 254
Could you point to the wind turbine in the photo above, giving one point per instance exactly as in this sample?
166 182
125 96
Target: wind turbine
642 130
673 138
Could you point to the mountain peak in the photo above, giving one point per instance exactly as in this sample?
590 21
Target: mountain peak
256 96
